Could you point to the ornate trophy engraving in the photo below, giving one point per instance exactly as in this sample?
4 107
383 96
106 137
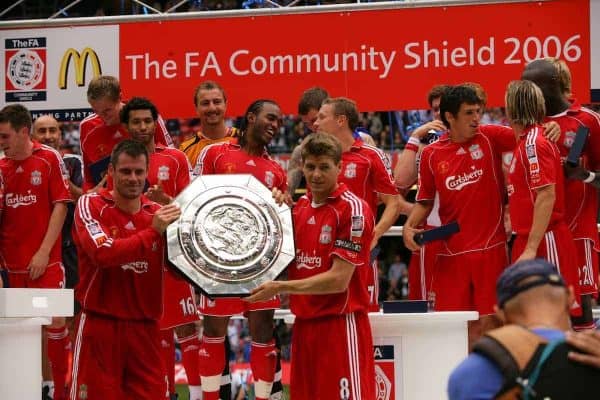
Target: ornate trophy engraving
231 236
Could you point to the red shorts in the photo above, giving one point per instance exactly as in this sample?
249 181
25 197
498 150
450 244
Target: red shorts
117 359
228 306
53 278
179 307
467 281
332 358
587 265
558 247
420 270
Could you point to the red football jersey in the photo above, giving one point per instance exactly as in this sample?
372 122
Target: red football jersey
171 168
535 164
97 141
31 187
342 227
1 193
468 179
581 201
366 171
120 258
229 158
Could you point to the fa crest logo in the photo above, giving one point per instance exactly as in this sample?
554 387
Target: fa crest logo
269 179
476 152
36 178
163 173
350 171
325 236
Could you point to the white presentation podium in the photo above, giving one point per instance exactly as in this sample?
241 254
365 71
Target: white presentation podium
22 314
415 352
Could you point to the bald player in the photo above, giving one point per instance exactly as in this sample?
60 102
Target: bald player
47 131
581 186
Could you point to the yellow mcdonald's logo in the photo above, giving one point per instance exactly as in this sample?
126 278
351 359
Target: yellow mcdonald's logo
80 61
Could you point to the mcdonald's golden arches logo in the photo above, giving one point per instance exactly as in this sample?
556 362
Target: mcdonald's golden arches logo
80 61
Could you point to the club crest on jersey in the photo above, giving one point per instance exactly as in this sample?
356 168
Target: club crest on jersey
269 179
36 178
163 173
325 236
350 171
358 225
476 152
569 139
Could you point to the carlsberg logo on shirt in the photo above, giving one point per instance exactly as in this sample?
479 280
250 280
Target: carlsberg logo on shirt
457 182
308 262
15 200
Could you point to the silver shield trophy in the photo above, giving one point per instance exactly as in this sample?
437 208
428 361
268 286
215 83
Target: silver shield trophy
231 235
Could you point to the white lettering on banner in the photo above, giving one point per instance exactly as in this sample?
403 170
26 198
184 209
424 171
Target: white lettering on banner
457 182
16 200
168 69
424 54
209 62
242 62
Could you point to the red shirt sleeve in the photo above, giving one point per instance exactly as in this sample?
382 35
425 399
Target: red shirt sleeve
283 184
592 148
88 181
382 179
183 172
426 181
1 192
161 134
354 234
503 137
540 163
59 179
96 241
205 163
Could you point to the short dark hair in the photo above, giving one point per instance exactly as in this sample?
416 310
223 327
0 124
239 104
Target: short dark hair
138 103
311 99
435 92
208 85
104 86
255 108
454 97
17 115
322 144
346 107
130 147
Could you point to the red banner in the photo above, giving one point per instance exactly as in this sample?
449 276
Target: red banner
384 59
